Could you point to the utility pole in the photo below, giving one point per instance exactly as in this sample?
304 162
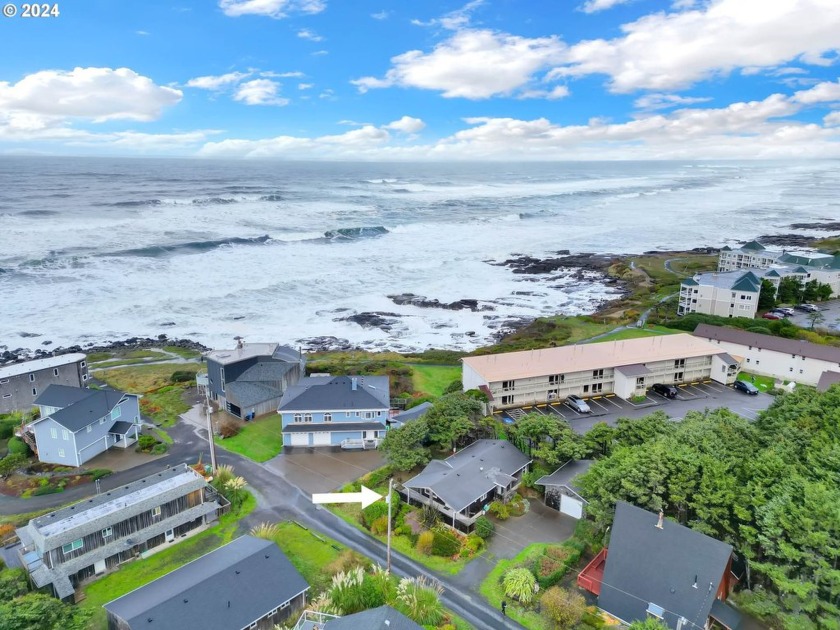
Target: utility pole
210 438
388 499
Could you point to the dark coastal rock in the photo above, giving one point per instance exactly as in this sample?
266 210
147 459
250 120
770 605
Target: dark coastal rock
378 319
584 262
424 302
238 317
788 240
325 344
46 343
168 324
695 250
27 335
829 226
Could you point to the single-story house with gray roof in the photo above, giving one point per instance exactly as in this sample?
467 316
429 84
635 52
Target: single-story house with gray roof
409 414
561 493
248 583
461 486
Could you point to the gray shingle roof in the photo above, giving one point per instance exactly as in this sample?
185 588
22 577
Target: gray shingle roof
726 615
462 478
335 427
266 371
225 589
61 395
566 474
768 342
413 413
636 369
321 393
121 427
247 394
646 564
382 618
96 404
827 379
286 353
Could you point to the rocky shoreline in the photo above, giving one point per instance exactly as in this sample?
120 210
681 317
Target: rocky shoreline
8 357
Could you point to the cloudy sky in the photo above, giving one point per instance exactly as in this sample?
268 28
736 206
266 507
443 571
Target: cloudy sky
432 80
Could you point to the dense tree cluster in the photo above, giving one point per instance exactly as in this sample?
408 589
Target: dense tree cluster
770 488
22 610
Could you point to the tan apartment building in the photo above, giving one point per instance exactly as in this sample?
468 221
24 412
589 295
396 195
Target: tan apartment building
753 255
626 368
730 294
783 359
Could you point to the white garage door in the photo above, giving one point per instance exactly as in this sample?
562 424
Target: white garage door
300 439
571 506
321 438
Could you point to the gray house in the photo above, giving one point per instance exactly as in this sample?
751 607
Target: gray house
460 486
77 424
247 584
252 378
22 383
63 548
561 492
381 618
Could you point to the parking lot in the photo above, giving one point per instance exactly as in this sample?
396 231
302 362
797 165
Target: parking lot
609 408
830 310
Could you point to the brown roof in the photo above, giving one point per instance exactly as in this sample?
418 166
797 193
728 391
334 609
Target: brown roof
590 356
769 342
827 379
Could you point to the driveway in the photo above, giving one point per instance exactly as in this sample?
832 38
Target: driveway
317 470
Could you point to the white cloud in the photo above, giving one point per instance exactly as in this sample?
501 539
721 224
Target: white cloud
283 75
592 6
143 33
454 20
259 92
557 92
666 51
832 119
305 86
381 15
407 124
826 92
320 53
356 142
652 102
217 82
472 64
272 8
94 93
310 35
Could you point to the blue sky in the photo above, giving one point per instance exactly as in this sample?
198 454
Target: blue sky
388 79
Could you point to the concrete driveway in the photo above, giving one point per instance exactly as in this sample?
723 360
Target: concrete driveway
319 470
539 524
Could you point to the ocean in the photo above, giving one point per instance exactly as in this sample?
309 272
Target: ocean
100 249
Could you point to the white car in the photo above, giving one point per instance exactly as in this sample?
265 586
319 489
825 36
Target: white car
578 404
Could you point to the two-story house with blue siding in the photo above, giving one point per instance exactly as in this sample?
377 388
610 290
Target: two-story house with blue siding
251 379
342 411
77 424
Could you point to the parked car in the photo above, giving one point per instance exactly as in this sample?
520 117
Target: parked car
578 404
780 311
808 308
772 315
786 310
669 391
747 388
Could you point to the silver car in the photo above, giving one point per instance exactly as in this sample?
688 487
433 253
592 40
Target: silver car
578 404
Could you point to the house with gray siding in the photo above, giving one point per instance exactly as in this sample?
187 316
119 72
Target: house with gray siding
342 411
22 383
247 584
251 379
77 424
62 549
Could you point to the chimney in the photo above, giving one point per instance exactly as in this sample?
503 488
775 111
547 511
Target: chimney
695 582
353 384
661 519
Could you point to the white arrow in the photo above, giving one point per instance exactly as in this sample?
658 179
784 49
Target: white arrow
365 497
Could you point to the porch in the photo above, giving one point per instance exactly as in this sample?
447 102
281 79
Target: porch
592 575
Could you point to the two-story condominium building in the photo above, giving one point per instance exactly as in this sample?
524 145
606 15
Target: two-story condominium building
729 294
248 584
463 484
343 411
22 383
63 548
752 255
784 359
76 424
251 379
626 368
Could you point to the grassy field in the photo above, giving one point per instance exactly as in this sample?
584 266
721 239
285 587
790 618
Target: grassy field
545 331
636 333
165 405
259 439
143 378
139 572
492 590
186 353
434 379
309 554
764 383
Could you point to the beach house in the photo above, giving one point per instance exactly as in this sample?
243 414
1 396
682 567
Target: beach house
22 383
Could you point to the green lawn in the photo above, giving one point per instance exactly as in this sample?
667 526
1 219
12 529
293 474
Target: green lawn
259 439
186 353
764 383
309 554
636 333
135 574
165 405
433 379
491 588
141 379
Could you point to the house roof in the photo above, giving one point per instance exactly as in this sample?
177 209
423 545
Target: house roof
739 280
266 371
96 404
637 369
334 427
382 618
768 342
474 471
61 395
16 369
319 393
566 474
246 394
753 246
247 351
121 427
647 565
413 413
230 587
725 615
690 282
827 379
287 354
590 356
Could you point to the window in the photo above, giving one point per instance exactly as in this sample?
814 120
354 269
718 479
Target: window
378 414
7 395
286 605
731 306
61 452
71 547
678 376
507 400
790 369
748 360
65 434
34 392
597 373
298 417
327 417
793 356
55 371
368 415
800 371
54 433
101 420
116 412
508 385
156 511
586 389
307 417
82 364
679 363
89 428
640 382
556 379
357 414
84 377
757 361
107 532
31 378
552 394
597 387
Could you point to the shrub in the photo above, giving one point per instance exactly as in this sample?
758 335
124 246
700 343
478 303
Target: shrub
484 527
159 449
98 473
346 561
373 512
518 506
146 442
563 607
47 490
587 532
425 541
403 530
445 543
376 477
11 463
228 429
429 516
182 376
18 447
520 584
379 526
473 545
500 510
7 428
